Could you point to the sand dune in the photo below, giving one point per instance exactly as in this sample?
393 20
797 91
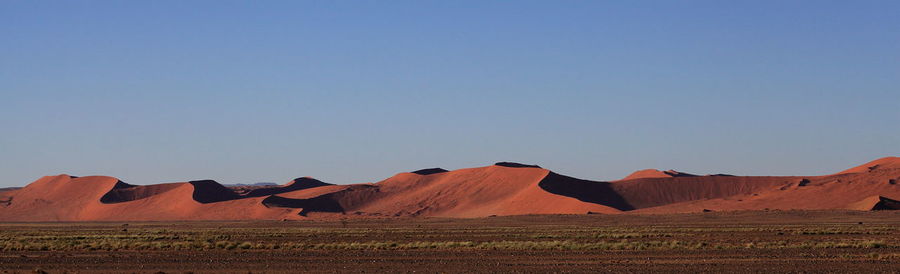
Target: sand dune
501 189
295 185
93 198
654 173
880 164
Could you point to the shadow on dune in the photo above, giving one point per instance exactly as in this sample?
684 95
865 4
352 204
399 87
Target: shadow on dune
316 204
674 173
123 192
429 171
886 204
651 192
205 191
336 202
209 191
517 165
600 193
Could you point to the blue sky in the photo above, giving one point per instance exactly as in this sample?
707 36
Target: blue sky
356 91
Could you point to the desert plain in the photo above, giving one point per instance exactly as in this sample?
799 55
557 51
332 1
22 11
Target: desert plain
715 242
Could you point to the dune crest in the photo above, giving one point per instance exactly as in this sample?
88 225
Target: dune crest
654 173
880 164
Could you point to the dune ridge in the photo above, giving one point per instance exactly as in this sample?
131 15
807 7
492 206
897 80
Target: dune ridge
879 164
505 188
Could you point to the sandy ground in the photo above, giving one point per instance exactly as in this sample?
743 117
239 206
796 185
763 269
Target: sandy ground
751 241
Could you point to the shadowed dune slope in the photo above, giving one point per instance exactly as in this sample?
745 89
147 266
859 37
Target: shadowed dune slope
512 164
429 171
209 191
501 189
131 193
876 203
844 191
650 192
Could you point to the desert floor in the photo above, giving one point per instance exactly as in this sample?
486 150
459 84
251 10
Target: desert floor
760 241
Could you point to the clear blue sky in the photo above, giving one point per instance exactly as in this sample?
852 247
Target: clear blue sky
356 91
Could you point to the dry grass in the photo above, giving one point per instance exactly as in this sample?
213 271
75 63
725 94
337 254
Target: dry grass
707 243
542 238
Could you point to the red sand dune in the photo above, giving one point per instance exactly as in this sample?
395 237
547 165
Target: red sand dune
500 189
883 163
654 173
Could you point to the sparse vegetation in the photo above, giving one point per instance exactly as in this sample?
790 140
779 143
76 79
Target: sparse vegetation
486 238
516 243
